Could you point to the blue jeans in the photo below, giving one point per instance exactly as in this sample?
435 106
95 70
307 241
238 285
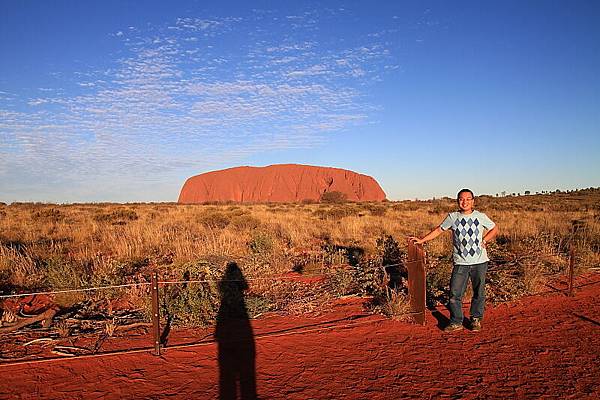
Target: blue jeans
458 285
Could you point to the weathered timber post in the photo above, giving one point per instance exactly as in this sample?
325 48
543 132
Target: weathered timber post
416 281
571 269
155 314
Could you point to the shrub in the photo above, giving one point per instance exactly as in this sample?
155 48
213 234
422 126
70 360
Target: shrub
395 305
291 296
60 274
117 217
377 211
442 207
245 222
370 277
49 215
437 282
333 197
334 212
107 272
341 282
391 258
192 304
214 220
257 304
260 243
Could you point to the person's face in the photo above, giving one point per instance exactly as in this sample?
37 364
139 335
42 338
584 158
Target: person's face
466 202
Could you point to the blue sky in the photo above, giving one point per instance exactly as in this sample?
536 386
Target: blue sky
123 100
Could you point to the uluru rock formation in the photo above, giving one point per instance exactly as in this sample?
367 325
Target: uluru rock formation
278 183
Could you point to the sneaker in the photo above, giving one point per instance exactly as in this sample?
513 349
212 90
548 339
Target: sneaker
475 324
453 327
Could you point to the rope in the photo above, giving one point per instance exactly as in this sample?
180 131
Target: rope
259 336
5 296
226 280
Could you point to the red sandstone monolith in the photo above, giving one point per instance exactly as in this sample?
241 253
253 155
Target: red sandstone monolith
278 183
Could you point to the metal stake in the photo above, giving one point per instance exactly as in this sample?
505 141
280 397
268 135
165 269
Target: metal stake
155 314
571 269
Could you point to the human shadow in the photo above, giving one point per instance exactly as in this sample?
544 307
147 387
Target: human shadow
235 339
442 320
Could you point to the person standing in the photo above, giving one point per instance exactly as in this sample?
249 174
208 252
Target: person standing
471 231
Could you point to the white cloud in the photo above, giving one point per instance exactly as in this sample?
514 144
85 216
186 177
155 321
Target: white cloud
176 104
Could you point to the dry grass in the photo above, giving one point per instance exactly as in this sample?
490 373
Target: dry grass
47 246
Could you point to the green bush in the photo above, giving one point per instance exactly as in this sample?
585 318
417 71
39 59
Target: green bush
370 277
261 243
257 304
60 274
192 304
341 282
437 283
334 197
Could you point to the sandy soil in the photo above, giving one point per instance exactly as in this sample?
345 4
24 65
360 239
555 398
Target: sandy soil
545 346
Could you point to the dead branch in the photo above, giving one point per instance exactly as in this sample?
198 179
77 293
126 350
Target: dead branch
133 326
46 318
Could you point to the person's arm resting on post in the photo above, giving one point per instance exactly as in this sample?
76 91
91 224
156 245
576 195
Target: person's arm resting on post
430 236
444 226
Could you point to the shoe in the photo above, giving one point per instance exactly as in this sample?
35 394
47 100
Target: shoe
475 324
453 327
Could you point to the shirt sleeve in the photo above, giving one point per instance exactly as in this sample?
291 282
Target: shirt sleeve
447 223
486 221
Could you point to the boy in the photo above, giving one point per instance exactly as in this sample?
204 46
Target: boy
469 257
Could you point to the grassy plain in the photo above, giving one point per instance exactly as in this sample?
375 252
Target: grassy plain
295 257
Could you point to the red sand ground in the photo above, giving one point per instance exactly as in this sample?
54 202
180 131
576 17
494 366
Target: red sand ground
545 346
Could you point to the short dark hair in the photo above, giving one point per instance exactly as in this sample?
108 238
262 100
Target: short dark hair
464 191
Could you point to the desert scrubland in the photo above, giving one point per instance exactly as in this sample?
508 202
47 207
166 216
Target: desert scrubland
296 258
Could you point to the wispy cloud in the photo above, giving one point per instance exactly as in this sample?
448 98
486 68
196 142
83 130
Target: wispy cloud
181 101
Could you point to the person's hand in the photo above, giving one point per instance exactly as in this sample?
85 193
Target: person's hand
415 240
484 243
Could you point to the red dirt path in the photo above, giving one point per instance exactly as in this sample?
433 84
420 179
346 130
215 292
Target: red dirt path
539 347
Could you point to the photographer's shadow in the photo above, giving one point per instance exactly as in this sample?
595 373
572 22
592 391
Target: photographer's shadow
235 339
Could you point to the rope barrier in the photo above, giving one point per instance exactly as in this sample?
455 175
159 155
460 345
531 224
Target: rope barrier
5 296
88 289
226 280
259 336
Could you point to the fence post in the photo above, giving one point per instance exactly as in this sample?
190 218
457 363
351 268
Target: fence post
571 269
416 281
155 314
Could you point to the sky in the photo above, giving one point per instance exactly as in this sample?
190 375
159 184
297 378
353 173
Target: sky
122 101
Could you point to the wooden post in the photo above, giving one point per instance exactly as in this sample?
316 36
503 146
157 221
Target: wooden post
416 281
155 314
571 269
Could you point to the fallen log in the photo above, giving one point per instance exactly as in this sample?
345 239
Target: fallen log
46 318
133 326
